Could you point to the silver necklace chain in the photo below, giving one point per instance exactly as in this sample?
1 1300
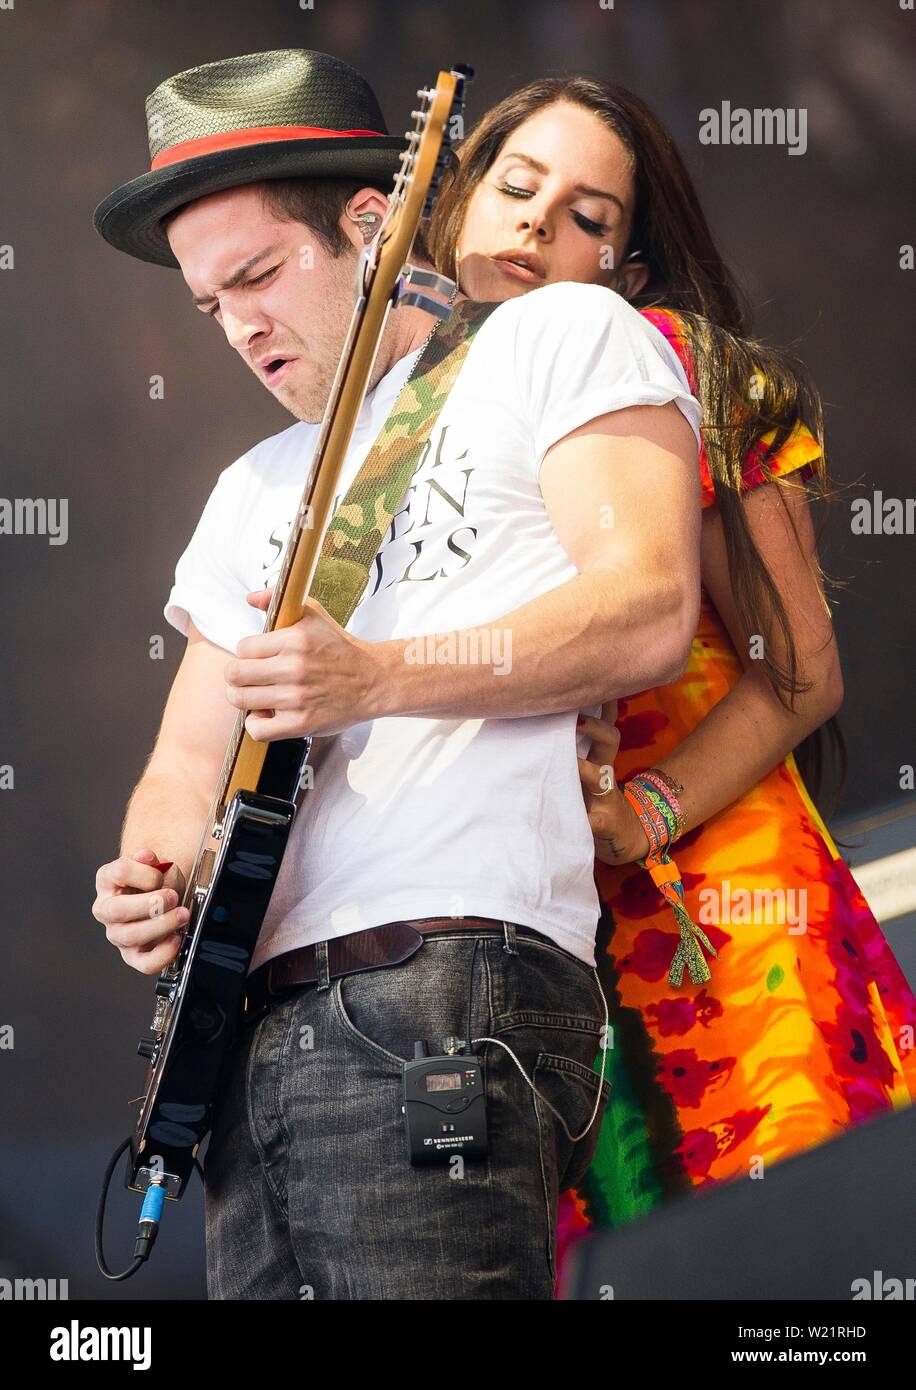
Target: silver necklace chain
429 337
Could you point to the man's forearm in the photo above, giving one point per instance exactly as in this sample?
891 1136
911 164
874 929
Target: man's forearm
166 813
602 634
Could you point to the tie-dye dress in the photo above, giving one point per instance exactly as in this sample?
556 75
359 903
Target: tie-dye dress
806 1026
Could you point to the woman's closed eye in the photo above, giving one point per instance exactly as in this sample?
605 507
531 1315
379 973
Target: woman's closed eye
514 192
586 223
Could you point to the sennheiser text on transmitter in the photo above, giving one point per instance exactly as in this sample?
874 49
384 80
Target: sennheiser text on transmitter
444 1105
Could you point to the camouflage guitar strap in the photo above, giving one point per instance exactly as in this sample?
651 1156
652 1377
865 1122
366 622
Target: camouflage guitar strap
358 527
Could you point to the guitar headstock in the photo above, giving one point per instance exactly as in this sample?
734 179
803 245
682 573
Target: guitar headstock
428 154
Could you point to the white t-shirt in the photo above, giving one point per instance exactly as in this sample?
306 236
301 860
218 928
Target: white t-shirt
422 817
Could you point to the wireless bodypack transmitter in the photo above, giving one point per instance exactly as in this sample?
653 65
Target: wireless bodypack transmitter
444 1105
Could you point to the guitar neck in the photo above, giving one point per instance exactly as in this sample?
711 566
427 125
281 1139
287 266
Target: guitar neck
380 268
244 761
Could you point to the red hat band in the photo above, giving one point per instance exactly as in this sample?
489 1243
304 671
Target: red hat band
254 135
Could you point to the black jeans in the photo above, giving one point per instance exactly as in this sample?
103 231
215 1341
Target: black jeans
309 1189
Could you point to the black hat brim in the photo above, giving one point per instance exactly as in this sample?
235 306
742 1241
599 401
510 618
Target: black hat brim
130 217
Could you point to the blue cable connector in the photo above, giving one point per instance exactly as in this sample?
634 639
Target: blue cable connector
150 1215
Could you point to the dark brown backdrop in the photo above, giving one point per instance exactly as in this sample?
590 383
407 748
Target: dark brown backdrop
815 238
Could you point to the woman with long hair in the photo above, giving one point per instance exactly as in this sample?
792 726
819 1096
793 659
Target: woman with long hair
793 1020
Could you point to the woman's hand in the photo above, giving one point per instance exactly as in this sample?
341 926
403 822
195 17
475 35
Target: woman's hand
619 837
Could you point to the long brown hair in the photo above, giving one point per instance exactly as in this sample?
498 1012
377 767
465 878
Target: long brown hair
745 388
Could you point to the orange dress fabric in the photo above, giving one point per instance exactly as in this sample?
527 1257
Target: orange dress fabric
806 1026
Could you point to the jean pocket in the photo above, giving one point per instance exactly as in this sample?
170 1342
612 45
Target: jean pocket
423 998
362 1009
569 1095
542 986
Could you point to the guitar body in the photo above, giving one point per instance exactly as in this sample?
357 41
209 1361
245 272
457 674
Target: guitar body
199 996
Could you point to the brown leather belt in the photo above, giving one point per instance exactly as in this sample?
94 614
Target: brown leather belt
371 949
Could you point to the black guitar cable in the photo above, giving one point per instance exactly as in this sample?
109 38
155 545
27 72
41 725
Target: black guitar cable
147 1227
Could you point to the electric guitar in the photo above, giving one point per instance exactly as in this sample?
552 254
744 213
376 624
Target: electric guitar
199 995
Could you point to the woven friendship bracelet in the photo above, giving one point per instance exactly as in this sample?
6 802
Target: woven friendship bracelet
663 812
659 820
670 788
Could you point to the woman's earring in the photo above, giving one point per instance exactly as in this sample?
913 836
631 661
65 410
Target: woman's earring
621 285
457 267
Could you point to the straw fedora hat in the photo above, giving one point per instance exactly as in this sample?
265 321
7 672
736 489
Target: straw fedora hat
290 112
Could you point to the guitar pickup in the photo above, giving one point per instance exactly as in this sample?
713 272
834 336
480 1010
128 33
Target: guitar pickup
414 280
